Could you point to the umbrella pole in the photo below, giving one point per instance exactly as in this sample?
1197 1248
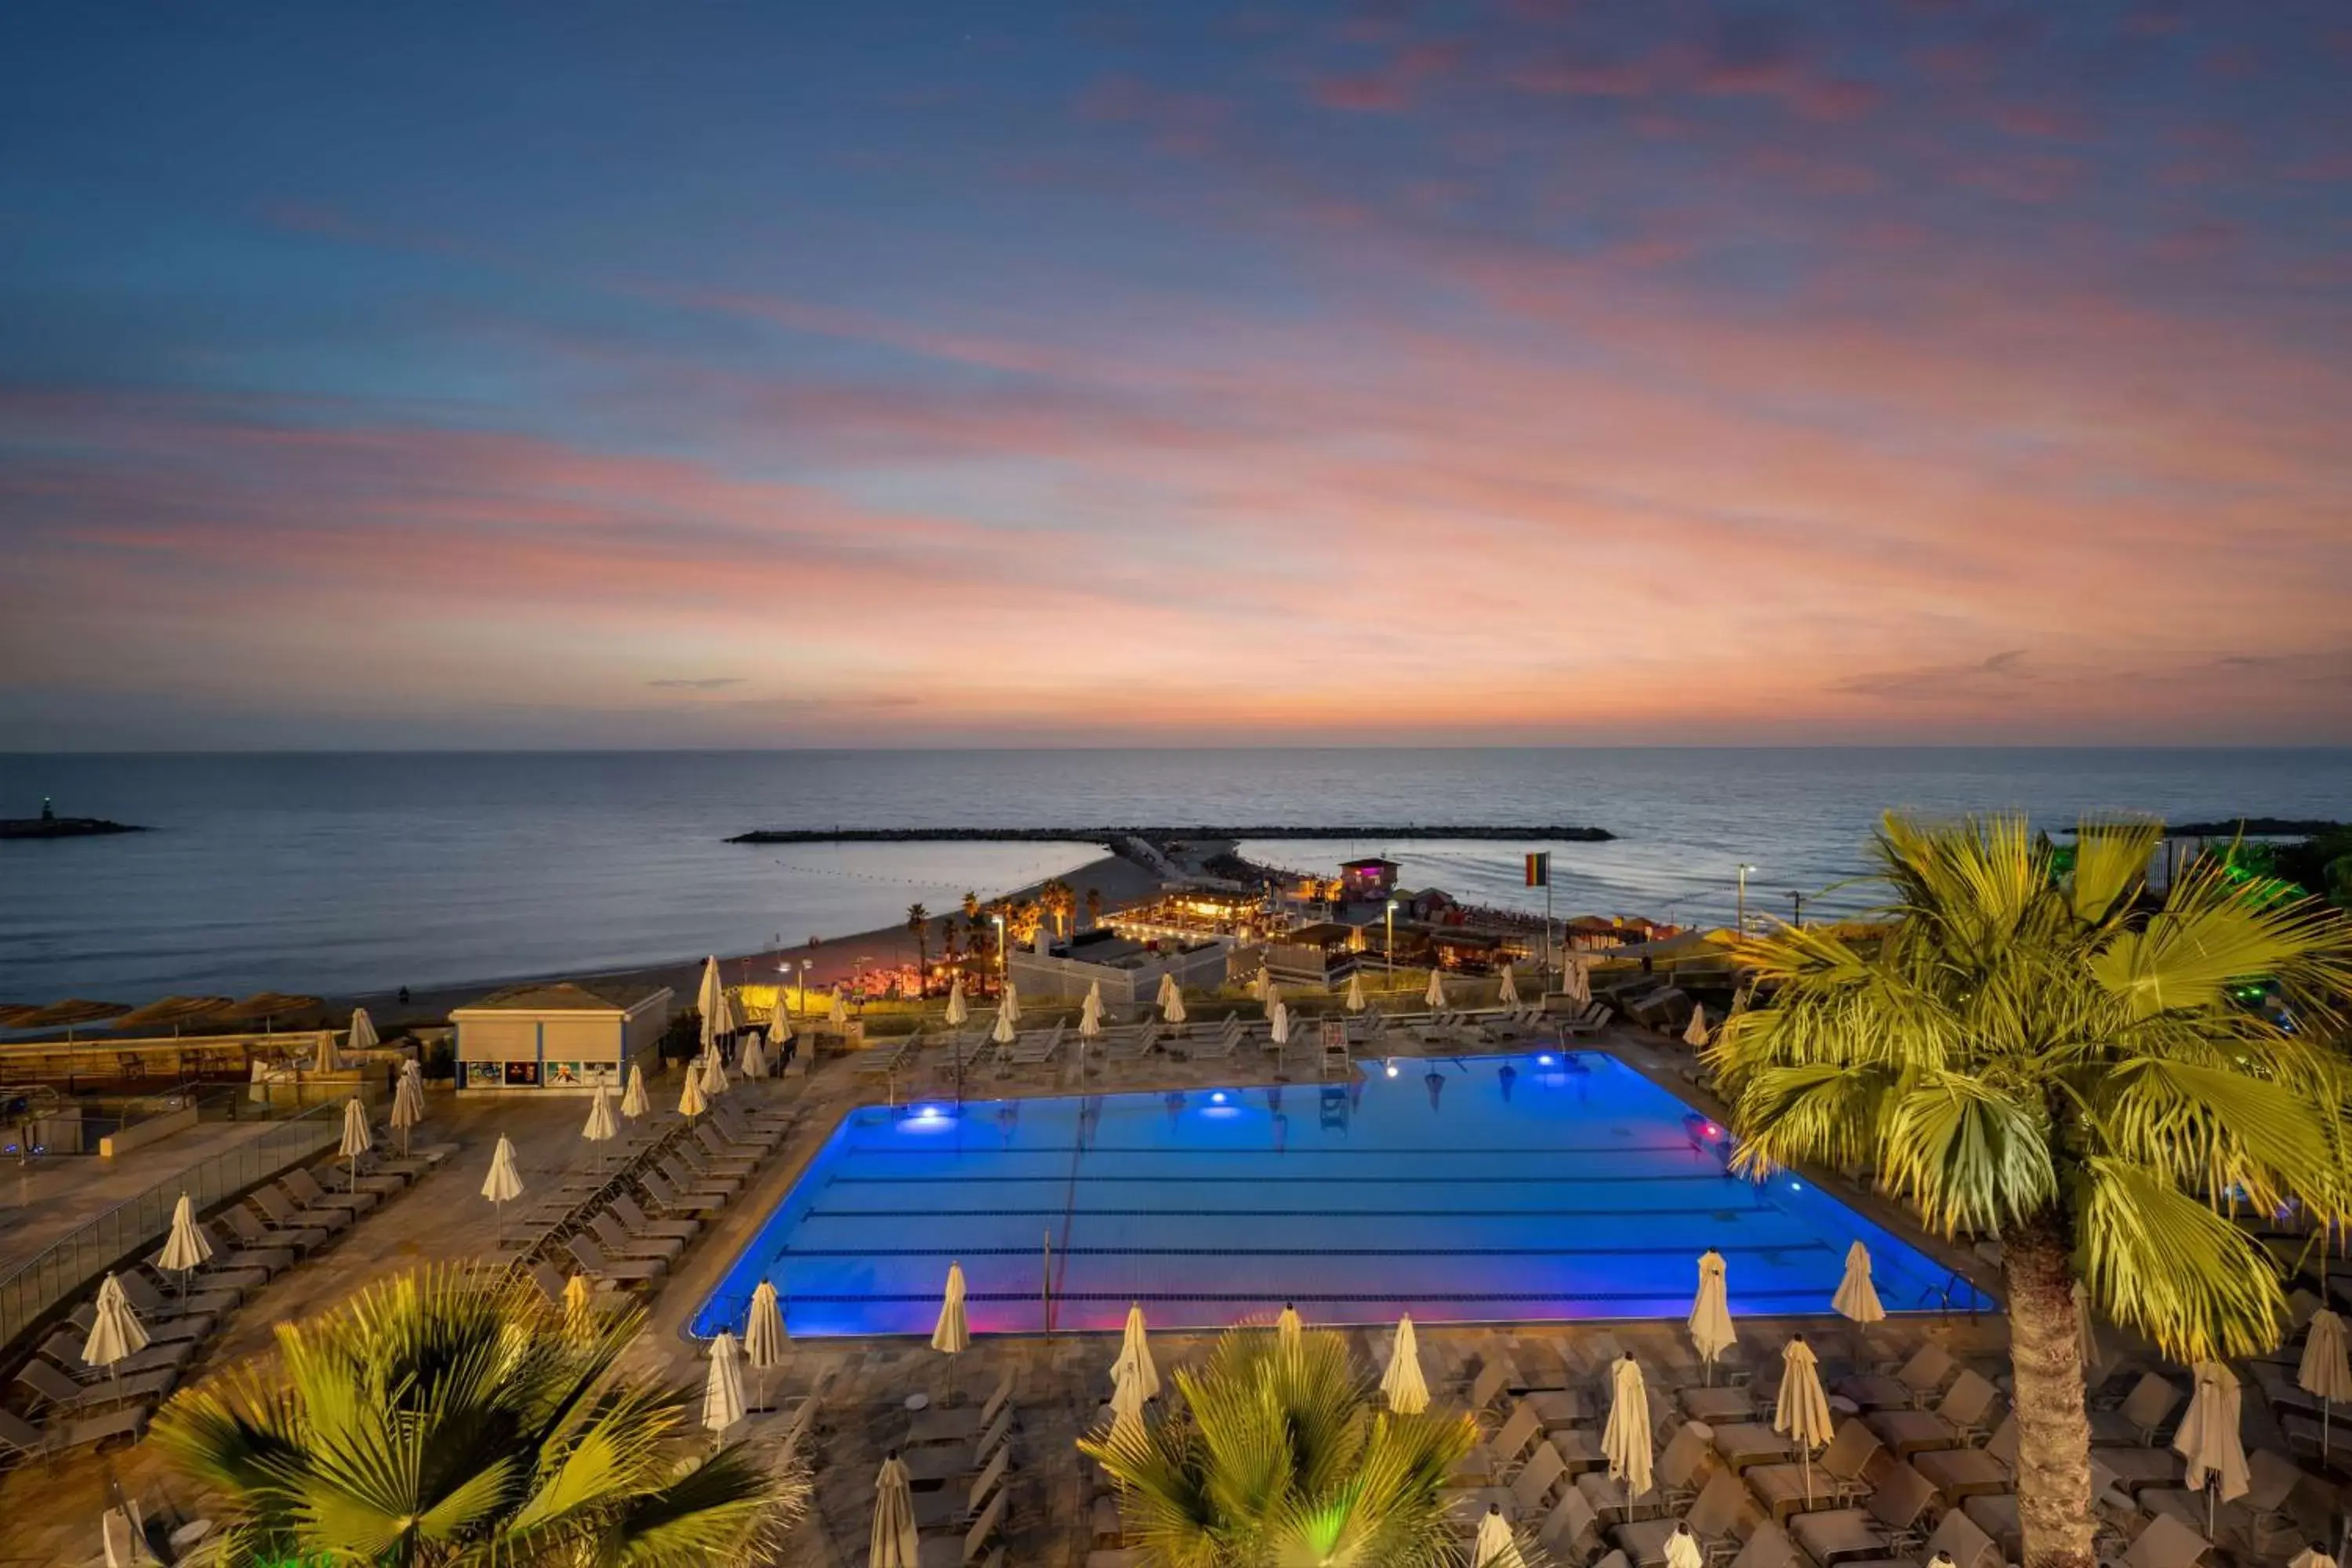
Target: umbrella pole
1807 1450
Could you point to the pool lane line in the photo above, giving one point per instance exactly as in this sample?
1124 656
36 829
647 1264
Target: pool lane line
1675 1146
1286 1179
1384 1213
1819 1294
1750 1249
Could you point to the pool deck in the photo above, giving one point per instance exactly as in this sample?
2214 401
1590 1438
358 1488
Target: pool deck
52 1509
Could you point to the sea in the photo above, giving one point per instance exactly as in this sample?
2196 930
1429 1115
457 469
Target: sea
349 873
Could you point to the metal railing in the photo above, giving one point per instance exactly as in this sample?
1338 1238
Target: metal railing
68 1265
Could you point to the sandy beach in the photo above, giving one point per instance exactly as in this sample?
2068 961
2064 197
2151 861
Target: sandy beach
1117 879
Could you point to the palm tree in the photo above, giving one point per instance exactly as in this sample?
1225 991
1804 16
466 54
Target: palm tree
1058 900
971 907
1094 906
451 1416
919 926
1280 1456
947 948
2054 1055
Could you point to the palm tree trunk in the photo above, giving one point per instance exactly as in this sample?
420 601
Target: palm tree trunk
2054 1434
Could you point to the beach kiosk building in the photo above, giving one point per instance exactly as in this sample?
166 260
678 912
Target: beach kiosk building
562 1036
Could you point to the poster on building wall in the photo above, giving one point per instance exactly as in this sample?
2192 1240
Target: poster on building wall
564 1075
522 1075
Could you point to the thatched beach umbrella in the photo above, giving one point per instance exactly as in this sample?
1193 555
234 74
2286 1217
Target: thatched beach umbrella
1356 992
407 1103
1406 1390
893 1541
116 1334
1694 1032
1625 1440
959 1011
1857 1299
504 1184
634 1099
2325 1372
69 1015
172 1012
763 1335
1710 1315
1435 995
1135 1349
1801 1415
186 1248
1507 993
2209 1440
265 1007
722 1388
357 1138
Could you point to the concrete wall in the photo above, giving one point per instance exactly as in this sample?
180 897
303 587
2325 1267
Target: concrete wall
1044 978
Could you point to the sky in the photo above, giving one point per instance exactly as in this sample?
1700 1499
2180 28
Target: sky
593 374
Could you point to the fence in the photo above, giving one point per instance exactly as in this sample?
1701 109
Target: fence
70 1263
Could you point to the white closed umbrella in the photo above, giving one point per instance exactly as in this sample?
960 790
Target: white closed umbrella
363 1036
894 1543
1280 1028
1288 1328
1435 995
1710 1315
600 1127
722 1389
836 1012
186 1248
1406 1389
504 1184
763 1335
1171 1006
1355 993
2209 1438
780 1025
1012 1003
1127 1398
116 1334
1801 1415
2324 1370
1857 1299
1166 989
1257 986
326 1058
959 1011
407 1103
1003 1033
1625 1440
1271 994
635 1102
357 1138
753 1061
579 1305
2311 1557
1091 1010
1493 1547
1135 1349
1507 993
1694 1032
723 1023
1682 1549
1578 988
708 998
714 1075
691 1100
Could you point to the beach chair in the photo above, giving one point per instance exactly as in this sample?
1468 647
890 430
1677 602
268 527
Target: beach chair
1920 1380
617 1242
1497 1460
682 1172
1588 1021
716 1154
622 1270
306 1191
1958 1474
1962 1415
2142 1417
1139 1043
1887 1525
1570 1529
945 1462
20 1437
1769 1546
249 1229
1744 1445
2271 1479
160 1331
56 1391
744 1133
155 1306
282 1212
1674 1477
232 1254
1833 1480
63 1346
959 1424
630 1214
1528 1495
1712 1517
1719 1403
2166 1542
674 1201
972 1546
219 1272
549 1279
1956 1534
948 1510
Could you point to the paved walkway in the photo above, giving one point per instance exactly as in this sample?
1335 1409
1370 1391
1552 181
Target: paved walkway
54 1193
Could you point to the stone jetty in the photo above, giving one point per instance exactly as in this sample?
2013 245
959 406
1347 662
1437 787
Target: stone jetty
1390 832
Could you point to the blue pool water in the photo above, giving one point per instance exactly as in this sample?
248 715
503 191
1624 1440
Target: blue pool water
1479 1189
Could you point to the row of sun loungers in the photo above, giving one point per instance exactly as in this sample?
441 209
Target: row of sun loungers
617 1243
959 1459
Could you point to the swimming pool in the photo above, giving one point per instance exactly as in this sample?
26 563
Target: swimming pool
1559 1185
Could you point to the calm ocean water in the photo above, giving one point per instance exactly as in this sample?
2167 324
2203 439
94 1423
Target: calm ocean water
355 872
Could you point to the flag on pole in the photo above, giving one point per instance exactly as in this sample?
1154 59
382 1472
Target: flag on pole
1538 868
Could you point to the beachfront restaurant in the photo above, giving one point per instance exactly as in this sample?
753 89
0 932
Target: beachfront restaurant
564 1037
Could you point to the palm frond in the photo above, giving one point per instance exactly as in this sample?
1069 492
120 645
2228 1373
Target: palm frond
2157 1261
1968 1156
2110 863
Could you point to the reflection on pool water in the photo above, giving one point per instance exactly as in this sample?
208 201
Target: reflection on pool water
1553 1185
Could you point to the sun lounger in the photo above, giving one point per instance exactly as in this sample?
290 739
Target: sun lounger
626 1208
249 1229
672 1200
1920 1380
945 1462
1886 1525
954 1509
1711 1519
1588 1021
272 1259
2141 1417
1769 1546
2271 1478
1833 1480
617 1242
155 1306
1958 1536
2166 1542
707 1148
1673 1478
959 1424
1496 1461
21 1437
549 1279
64 1347
953 1551
280 1210
164 1331
1719 1405
1962 1473
60 1393
1528 1495
1570 1530
675 1168
307 1191
625 1270
1964 1413
219 1272
1742 1444
750 1128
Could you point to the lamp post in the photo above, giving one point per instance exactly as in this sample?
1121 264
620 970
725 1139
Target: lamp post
1003 957
804 998
1797 909
1388 948
1743 869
